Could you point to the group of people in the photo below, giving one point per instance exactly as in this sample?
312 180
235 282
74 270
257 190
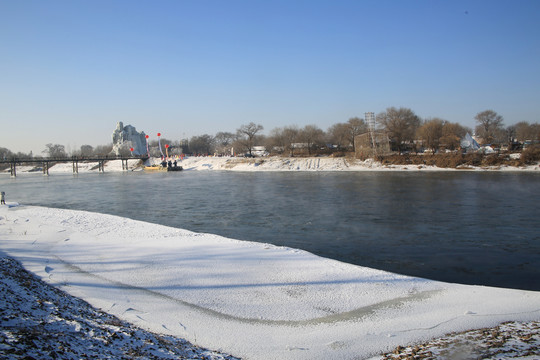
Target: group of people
170 164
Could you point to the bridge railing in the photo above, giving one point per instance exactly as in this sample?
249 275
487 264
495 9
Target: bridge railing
71 158
46 162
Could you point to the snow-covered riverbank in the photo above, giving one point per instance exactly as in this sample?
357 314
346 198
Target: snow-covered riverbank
39 321
256 301
43 322
264 164
318 164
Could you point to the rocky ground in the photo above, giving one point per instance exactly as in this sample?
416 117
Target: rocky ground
38 321
510 340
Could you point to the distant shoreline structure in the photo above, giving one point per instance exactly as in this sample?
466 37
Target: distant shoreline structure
272 163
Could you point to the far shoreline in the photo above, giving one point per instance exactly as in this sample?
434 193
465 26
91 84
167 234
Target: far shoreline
277 164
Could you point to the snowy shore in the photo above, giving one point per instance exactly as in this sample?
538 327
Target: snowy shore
319 164
40 321
265 164
252 300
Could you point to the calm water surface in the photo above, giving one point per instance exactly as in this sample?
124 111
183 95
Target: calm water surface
466 227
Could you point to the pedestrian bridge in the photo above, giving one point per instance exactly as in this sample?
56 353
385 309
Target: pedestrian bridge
48 162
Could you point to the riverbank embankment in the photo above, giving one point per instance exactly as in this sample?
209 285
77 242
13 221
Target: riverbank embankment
278 163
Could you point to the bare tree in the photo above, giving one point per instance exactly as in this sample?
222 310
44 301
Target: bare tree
338 134
86 150
401 124
291 134
223 142
431 133
5 154
452 133
489 125
355 127
55 150
276 140
535 131
311 135
202 144
103 150
285 139
524 131
247 135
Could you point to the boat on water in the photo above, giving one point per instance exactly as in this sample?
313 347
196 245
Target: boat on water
154 168
165 166
175 168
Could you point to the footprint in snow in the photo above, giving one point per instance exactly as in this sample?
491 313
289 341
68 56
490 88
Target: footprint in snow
48 269
292 348
133 310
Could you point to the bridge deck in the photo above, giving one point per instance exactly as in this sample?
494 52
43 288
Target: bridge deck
75 160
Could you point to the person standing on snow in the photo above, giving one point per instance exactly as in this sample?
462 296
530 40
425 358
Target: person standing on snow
3 198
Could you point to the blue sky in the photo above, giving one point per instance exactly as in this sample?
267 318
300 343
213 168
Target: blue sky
69 70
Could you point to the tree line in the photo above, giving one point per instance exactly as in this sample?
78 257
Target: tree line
405 130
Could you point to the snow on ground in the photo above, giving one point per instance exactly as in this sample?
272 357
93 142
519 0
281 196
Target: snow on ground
38 321
276 164
273 163
82 167
511 340
85 167
253 300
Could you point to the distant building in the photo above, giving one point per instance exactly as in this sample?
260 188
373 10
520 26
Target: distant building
259 151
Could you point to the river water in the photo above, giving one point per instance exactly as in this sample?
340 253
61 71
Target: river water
466 227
